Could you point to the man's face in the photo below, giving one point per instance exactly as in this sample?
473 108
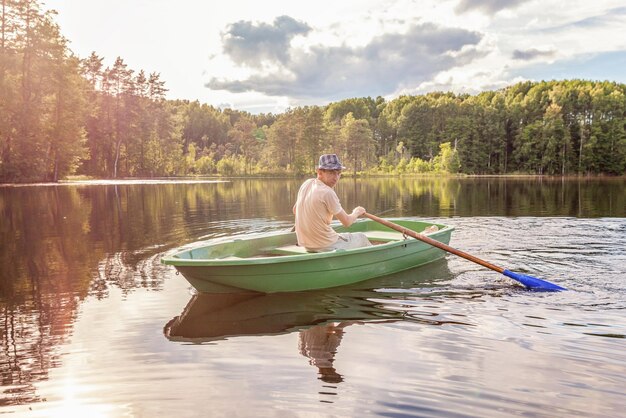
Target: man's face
329 177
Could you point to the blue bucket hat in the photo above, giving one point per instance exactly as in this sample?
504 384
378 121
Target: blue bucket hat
330 162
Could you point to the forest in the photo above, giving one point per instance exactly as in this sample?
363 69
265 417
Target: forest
63 115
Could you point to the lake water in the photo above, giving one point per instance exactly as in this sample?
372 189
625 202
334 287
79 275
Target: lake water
91 324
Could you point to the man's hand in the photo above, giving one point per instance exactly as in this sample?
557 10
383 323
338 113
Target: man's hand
358 211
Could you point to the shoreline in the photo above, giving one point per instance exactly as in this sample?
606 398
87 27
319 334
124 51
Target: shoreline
87 180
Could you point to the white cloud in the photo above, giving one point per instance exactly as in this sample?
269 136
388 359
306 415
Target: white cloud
531 54
249 44
487 6
380 67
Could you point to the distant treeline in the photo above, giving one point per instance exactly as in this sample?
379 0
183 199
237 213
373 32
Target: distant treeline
62 115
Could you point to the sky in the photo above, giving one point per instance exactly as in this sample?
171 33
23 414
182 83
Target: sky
267 56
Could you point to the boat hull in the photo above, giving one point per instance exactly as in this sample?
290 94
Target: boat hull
231 273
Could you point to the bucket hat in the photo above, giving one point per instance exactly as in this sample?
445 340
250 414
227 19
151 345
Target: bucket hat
330 162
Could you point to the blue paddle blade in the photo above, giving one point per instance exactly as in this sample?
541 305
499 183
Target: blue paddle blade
533 283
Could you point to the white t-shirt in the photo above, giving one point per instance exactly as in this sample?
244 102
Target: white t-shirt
315 207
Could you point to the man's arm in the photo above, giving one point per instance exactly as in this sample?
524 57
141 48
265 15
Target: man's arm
348 220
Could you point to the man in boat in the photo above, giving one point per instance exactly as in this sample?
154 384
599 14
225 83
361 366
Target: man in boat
315 207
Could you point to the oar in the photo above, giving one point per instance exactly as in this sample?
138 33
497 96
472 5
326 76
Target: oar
530 282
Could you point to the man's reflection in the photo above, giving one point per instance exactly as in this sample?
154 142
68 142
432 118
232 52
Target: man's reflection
319 344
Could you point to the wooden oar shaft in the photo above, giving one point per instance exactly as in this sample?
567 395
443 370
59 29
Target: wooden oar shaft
433 242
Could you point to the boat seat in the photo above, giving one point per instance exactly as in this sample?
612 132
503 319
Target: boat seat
384 236
290 250
377 236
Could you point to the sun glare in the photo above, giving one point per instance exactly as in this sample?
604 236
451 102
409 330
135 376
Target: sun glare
75 400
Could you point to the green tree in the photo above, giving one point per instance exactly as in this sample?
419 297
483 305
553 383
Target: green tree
122 87
243 136
41 96
357 138
447 160
66 134
314 135
282 142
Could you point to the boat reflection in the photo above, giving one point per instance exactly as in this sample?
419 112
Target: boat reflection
320 317
217 316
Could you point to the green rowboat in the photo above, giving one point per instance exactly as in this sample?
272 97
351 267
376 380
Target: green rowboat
274 263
